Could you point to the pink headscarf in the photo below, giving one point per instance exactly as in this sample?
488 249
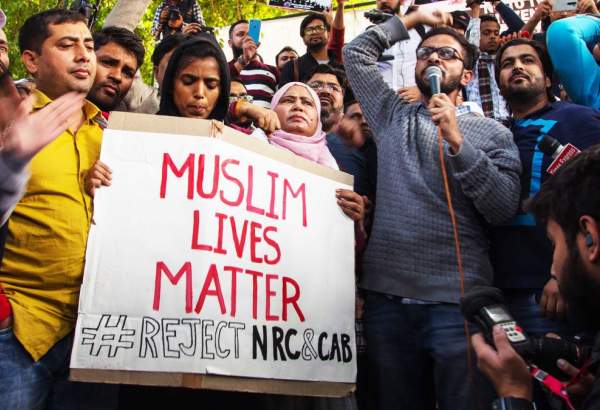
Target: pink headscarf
313 148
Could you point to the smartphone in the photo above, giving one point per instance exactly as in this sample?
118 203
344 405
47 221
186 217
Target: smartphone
564 5
254 30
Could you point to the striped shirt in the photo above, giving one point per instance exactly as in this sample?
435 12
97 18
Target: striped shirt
259 79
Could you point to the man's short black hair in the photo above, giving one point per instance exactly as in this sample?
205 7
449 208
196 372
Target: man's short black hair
571 193
540 50
233 26
167 44
470 52
311 17
121 37
284 50
36 28
489 17
327 69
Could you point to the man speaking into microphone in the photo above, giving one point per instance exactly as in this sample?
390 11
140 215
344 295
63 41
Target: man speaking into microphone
415 336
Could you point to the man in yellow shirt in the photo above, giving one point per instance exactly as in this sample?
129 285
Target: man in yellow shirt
44 256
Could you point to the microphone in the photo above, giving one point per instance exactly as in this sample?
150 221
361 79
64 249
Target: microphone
484 305
559 153
434 74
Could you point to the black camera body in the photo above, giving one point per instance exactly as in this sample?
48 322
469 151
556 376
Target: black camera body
87 9
377 16
174 13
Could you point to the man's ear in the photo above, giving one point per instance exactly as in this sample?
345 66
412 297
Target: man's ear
467 76
230 43
31 61
591 233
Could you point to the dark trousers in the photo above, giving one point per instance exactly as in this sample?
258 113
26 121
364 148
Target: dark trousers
418 357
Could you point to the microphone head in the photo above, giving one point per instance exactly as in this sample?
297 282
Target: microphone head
478 297
548 145
434 74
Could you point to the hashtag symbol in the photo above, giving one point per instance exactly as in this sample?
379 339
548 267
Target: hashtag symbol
109 335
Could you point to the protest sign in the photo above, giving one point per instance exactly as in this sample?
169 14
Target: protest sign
215 257
306 5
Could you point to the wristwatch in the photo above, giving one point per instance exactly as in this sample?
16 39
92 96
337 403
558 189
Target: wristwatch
243 61
513 403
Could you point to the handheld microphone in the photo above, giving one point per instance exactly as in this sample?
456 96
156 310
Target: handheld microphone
484 305
559 153
434 75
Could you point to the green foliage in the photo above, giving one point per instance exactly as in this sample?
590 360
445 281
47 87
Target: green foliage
217 13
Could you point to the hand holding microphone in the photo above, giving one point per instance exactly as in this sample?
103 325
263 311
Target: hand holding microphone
442 110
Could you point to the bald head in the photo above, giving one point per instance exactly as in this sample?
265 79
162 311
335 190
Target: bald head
4 48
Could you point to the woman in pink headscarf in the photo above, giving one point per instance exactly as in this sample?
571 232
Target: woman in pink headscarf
299 111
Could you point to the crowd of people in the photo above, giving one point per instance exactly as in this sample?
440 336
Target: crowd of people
451 186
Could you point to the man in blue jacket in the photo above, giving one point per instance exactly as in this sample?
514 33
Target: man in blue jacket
521 254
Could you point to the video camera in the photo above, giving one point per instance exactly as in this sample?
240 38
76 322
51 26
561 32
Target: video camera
174 13
484 306
86 8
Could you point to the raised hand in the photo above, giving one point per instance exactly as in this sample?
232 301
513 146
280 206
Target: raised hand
22 133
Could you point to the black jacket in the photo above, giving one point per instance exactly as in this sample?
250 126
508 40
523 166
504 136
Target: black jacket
306 65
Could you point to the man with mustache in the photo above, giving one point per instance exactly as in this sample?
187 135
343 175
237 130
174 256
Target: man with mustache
119 53
346 135
324 42
44 255
521 253
569 207
417 348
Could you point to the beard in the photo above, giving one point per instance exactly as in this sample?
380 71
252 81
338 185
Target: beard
447 85
237 51
581 292
390 10
522 96
314 47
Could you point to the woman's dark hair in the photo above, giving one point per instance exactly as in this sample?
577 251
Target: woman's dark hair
570 193
312 17
471 54
540 50
200 46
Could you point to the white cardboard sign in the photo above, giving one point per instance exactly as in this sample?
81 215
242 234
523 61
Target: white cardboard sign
209 258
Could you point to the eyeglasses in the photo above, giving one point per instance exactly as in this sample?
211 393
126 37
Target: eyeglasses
233 98
314 29
320 85
445 53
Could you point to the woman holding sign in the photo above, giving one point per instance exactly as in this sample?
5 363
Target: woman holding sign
298 109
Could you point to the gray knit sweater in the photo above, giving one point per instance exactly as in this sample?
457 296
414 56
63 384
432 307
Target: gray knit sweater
411 249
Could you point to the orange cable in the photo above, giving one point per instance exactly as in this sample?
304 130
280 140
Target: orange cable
458 252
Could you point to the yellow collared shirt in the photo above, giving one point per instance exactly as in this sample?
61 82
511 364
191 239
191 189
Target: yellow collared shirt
44 256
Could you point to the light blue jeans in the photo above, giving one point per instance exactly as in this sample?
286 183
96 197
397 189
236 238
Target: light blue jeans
29 385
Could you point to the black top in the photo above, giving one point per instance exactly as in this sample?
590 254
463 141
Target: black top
306 65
